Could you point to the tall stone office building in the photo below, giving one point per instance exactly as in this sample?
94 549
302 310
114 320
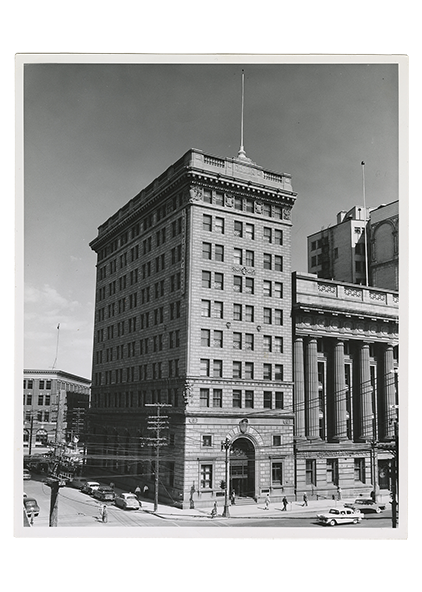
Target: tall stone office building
193 307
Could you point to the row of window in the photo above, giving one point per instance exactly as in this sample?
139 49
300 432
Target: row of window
242 257
242 204
332 471
42 384
215 280
39 416
241 229
207 475
207 441
42 400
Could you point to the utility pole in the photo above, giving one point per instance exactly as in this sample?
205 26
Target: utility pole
54 485
395 473
226 446
157 423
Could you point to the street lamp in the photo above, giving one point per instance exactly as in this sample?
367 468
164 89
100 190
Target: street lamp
226 446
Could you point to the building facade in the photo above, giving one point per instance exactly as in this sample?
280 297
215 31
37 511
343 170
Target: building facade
54 407
343 253
345 361
192 321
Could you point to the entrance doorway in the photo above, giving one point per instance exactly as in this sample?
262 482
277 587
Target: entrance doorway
242 468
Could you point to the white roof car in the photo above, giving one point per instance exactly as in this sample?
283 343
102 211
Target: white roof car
340 516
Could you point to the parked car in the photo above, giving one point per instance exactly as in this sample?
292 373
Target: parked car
78 482
31 506
340 516
365 505
26 475
104 493
90 487
127 501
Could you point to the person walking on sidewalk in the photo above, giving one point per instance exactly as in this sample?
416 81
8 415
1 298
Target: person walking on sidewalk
138 492
285 502
267 502
233 498
103 513
339 492
305 499
214 510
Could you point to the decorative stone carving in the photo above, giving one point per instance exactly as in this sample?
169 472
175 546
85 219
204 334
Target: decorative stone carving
187 392
195 194
229 200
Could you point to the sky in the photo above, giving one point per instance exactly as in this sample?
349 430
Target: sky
96 134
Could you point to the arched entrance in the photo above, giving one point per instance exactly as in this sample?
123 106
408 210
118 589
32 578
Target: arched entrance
242 468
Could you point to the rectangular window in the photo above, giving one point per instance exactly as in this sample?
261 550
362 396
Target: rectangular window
238 228
310 472
205 367
277 474
207 223
237 369
332 471
250 258
278 290
218 309
206 476
206 279
218 339
278 316
219 225
237 340
40 399
207 440
237 257
279 400
219 253
277 440
207 196
267 288
249 286
278 345
237 312
249 205
250 231
249 341
278 372
267 343
206 308
249 370
206 250
267 261
267 372
204 397
249 399
267 316
205 338
268 400
278 263
238 203
219 198
41 385
219 281
360 470
237 398
267 235
249 313
237 283
217 369
217 398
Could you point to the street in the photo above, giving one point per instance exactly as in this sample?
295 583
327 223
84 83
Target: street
80 510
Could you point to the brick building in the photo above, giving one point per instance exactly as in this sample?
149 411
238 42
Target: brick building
54 408
345 363
193 304
341 252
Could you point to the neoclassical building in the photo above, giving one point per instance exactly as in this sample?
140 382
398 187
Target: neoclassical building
345 359
192 321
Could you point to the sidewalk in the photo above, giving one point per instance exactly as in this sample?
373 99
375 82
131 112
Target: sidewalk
294 508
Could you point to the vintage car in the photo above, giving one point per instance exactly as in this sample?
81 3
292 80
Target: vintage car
90 487
340 516
365 505
127 501
31 506
104 493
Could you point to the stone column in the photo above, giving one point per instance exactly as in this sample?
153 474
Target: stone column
389 414
340 421
299 388
365 395
312 393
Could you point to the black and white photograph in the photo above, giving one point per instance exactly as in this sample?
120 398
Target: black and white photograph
210 286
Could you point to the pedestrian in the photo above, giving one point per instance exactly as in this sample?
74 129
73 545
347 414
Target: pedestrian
138 492
145 490
103 513
284 500
305 499
112 485
214 510
267 501
339 492
233 498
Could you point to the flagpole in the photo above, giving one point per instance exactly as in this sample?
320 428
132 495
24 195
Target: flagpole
242 153
57 346
366 224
